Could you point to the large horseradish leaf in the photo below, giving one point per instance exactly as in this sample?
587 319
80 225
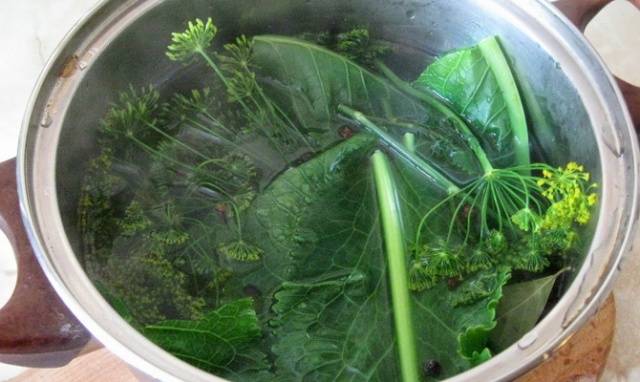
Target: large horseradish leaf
480 86
309 219
323 260
309 82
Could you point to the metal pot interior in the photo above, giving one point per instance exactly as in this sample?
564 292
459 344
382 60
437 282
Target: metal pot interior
566 91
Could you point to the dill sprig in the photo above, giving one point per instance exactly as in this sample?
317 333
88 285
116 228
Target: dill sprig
194 40
237 64
355 44
234 68
241 251
209 166
534 206
131 115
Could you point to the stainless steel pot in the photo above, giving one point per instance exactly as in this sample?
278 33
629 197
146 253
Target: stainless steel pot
579 108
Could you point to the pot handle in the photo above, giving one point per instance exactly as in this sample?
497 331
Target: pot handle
36 328
581 12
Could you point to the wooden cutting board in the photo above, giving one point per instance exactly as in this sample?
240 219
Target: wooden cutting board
581 359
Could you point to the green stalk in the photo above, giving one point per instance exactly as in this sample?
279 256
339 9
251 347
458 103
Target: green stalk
492 53
409 141
434 102
173 140
418 162
397 260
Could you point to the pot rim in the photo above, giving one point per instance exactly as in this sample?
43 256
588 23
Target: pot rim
596 86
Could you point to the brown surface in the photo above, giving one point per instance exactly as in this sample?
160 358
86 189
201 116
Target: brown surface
632 96
98 366
583 356
580 12
36 329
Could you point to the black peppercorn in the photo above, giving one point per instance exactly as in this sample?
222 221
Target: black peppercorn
345 132
453 282
431 368
251 290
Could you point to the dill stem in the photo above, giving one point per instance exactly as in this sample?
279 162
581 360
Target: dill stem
222 78
204 128
244 105
249 111
397 263
215 122
174 140
217 188
153 151
227 85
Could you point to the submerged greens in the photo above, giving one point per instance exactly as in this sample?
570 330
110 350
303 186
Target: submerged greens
309 215
311 82
479 85
520 309
222 338
459 322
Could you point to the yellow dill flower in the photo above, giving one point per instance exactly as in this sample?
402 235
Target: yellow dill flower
565 188
574 167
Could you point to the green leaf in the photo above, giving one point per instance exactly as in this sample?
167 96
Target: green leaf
326 267
479 85
301 237
318 80
331 315
221 339
310 82
336 329
454 334
520 309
